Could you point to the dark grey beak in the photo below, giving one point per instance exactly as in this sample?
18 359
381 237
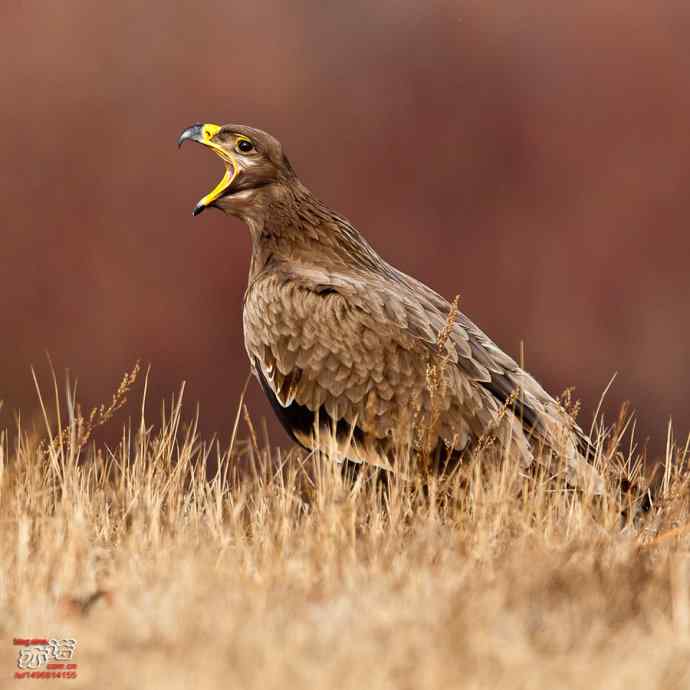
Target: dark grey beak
194 133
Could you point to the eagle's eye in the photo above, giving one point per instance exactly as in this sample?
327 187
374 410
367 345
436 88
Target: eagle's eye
245 146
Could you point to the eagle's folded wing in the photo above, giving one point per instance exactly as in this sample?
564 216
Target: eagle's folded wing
361 365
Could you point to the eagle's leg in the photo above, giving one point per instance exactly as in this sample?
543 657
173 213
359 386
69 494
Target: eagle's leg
350 472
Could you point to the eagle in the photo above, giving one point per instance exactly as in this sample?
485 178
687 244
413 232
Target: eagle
358 359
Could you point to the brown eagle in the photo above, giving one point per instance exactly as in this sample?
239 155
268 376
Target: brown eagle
345 345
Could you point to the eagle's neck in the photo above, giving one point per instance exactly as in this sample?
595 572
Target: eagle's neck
296 227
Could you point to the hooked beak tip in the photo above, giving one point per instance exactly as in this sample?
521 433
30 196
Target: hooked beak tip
194 132
198 209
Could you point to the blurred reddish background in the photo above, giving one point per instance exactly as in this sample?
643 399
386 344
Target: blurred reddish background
533 157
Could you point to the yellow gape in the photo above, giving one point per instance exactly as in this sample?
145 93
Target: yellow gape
209 131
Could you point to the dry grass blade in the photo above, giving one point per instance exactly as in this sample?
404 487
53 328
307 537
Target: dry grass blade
80 428
435 383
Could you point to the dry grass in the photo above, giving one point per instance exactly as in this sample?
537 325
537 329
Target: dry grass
275 573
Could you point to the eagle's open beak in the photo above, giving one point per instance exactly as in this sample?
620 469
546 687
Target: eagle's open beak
203 134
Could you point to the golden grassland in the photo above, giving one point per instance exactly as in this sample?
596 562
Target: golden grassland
179 563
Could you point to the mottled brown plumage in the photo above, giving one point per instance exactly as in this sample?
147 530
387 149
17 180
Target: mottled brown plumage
342 341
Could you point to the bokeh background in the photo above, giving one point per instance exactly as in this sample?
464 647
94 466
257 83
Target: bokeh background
533 157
